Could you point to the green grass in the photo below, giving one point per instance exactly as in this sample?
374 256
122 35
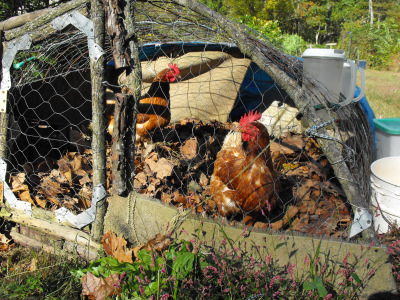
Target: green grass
382 89
29 274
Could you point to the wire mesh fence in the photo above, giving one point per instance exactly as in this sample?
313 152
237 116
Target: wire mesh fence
50 115
224 140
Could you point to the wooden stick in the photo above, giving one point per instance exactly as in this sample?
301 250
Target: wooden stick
43 22
97 73
18 21
4 115
134 82
118 160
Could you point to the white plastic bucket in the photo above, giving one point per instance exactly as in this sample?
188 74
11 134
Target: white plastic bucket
385 197
326 66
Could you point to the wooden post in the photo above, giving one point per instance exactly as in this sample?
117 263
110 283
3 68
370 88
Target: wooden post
121 28
4 114
118 161
134 82
116 30
97 69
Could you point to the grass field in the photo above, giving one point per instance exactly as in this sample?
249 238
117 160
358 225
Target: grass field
382 89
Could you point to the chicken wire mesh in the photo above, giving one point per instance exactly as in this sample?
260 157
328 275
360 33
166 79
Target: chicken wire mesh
49 128
282 181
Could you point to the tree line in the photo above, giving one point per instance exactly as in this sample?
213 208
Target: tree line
295 25
372 25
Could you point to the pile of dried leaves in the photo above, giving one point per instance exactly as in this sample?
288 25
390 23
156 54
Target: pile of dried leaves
177 166
66 182
178 170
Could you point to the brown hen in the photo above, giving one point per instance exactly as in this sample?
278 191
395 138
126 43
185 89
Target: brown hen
244 180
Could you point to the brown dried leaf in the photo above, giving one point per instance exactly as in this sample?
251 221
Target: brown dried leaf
160 167
311 207
52 188
152 186
203 180
68 175
276 225
18 182
54 200
299 223
33 265
4 239
57 176
6 247
100 288
312 149
291 212
288 145
63 166
158 243
261 225
163 169
26 196
179 198
152 157
21 188
140 180
40 202
166 198
189 148
116 247
76 164
85 179
304 190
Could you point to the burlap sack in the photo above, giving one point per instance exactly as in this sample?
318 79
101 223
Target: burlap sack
209 85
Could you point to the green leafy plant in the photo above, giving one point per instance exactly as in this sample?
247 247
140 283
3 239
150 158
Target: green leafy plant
231 270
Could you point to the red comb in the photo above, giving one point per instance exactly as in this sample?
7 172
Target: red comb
174 68
246 119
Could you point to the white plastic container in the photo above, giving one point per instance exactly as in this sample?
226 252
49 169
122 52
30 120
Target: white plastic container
347 81
326 66
387 133
385 197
